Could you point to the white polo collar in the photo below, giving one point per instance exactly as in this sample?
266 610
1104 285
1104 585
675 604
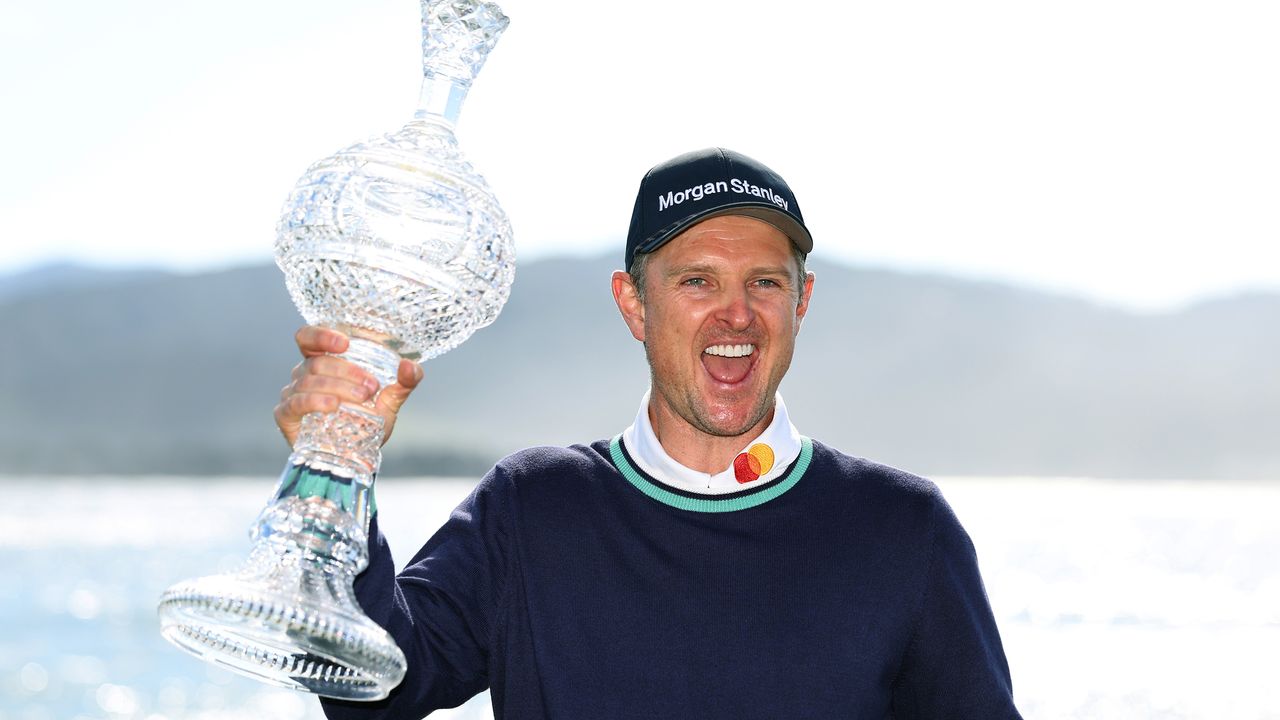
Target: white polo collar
780 439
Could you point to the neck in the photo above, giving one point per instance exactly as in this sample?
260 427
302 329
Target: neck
440 98
697 449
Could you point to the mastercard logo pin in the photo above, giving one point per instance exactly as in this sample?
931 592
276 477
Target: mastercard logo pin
750 465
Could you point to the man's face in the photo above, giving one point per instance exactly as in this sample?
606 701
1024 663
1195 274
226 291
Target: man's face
722 305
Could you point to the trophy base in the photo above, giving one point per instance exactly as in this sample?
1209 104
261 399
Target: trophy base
288 617
224 620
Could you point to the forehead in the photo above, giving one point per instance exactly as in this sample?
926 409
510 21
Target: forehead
727 238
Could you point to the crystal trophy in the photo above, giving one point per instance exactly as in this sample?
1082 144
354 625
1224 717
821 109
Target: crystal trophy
399 243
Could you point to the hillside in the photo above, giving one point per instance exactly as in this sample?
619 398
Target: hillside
148 372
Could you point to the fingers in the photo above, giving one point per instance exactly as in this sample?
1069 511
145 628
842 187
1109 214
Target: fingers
322 382
292 407
342 388
315 340
316 393
336 368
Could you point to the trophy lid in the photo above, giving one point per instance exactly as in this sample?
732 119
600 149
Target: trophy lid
457 37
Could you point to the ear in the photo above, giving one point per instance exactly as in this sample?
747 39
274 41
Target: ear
629 304
803 306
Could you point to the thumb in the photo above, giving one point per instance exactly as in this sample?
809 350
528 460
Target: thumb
393 396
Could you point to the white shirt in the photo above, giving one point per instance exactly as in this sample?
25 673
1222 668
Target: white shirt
780 439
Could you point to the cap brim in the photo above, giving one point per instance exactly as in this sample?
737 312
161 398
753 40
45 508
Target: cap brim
786 224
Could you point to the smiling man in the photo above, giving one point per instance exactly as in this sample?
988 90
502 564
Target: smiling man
709 561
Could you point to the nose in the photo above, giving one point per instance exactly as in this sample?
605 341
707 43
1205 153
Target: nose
736 312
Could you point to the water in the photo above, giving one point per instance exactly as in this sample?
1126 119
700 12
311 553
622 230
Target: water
1132 599
84 563
1115 599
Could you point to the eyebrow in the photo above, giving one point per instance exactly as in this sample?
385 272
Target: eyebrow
712 269
705 268
690 268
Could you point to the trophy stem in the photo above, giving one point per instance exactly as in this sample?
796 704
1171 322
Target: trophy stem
440 99
336 455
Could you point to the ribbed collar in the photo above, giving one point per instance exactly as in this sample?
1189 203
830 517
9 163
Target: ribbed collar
648 454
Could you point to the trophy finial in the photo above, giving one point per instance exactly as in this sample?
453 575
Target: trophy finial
457 36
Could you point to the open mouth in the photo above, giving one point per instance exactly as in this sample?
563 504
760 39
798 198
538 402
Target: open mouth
729 363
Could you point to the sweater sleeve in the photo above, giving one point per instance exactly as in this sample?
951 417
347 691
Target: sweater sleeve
955 665
441 609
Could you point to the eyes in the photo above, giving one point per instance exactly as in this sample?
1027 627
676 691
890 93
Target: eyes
702 282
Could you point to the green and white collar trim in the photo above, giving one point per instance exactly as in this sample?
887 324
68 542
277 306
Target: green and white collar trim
698 502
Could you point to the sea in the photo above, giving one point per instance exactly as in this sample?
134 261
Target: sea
1115 599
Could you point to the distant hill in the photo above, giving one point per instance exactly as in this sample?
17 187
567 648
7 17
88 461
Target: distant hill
157 373
65 276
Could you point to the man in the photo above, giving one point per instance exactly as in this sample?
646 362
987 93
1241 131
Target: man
707 562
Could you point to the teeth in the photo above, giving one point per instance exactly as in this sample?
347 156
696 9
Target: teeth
730 350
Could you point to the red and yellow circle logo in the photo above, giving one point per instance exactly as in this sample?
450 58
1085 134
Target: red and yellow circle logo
750 465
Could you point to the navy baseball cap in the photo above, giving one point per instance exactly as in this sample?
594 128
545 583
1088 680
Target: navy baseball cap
693 187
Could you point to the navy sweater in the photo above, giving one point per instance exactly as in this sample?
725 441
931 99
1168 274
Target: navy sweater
574 586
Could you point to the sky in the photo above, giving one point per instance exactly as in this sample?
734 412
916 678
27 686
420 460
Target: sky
1125 151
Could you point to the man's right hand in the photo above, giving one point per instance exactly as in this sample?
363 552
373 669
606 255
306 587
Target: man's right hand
321 382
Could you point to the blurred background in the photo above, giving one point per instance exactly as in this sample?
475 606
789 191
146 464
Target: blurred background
1048 277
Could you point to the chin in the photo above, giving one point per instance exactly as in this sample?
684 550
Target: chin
734 423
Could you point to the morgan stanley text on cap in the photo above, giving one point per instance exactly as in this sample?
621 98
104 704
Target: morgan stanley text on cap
690 188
